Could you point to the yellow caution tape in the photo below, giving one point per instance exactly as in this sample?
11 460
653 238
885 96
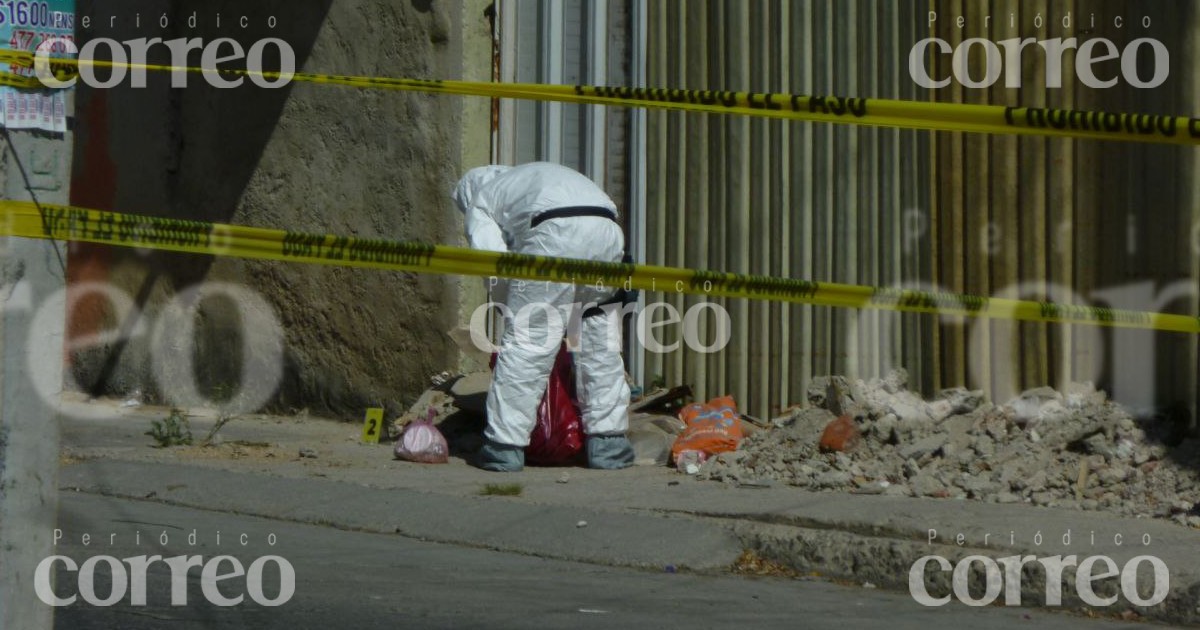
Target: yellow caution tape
995 119
125 230
8 79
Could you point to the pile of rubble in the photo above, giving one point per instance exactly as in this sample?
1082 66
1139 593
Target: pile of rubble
1061 449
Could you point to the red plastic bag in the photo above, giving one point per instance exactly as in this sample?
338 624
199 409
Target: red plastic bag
557 438
422 442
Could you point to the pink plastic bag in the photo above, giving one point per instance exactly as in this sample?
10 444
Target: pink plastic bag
422 442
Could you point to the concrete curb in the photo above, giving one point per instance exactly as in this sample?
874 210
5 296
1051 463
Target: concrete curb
885 562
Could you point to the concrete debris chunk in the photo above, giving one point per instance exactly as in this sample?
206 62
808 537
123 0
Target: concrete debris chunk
801 422
832 479
909 408
985 446
980 487
911 469
1113 475
927 485
820 388
1026 409
1034 483
895 381
1073 449
924 447
873 487
940 410
962 400
1097 444
1053 411
883 430
1083 395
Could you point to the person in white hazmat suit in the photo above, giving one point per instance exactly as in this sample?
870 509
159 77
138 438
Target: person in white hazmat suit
549 210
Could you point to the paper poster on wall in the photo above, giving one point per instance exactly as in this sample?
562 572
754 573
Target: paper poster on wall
24 25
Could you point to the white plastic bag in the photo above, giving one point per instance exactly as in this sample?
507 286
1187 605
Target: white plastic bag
422 442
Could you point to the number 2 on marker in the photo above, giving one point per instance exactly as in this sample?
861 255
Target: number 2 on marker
372 425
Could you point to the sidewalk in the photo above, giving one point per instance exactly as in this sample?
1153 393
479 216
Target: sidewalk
650 518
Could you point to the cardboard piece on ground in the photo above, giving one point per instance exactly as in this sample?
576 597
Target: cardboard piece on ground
429 398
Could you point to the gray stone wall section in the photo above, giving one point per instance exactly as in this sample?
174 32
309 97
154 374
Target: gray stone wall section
31 342
475 143
311 158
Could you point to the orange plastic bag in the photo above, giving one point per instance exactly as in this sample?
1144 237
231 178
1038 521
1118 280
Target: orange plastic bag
712 427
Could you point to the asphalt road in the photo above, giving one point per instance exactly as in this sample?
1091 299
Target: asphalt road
349 579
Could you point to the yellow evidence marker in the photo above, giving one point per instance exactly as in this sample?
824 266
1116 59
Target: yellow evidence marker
372 425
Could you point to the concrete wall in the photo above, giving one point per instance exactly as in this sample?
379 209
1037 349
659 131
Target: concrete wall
31 340
308 158
475 144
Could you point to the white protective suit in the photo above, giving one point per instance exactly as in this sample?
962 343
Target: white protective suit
499 205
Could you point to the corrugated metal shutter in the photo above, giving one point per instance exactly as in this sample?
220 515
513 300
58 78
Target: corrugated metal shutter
821 202
1107 223
1088 222
963 213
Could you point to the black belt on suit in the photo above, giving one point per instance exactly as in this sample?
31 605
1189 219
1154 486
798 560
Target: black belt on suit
574 211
